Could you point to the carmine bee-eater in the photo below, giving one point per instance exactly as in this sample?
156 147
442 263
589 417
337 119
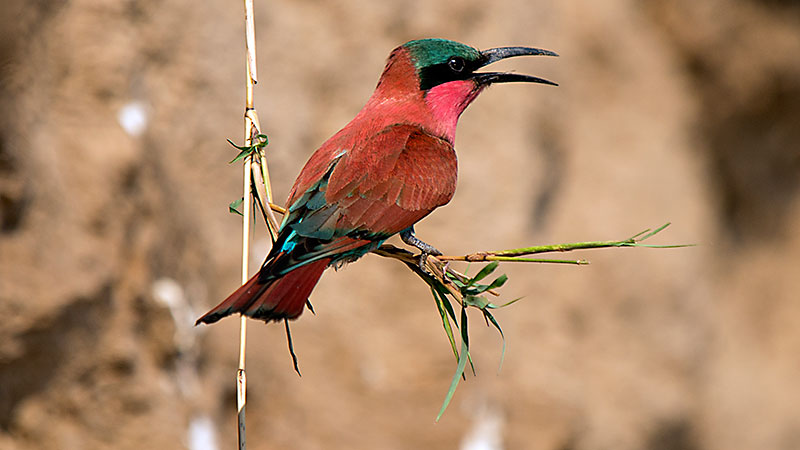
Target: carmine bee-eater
383 172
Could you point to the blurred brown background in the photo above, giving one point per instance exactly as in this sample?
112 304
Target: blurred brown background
115 236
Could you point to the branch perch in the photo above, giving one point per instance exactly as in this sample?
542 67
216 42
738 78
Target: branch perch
448 285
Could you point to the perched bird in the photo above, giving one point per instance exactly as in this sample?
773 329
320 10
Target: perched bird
384 171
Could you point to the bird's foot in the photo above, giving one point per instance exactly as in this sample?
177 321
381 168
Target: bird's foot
425 249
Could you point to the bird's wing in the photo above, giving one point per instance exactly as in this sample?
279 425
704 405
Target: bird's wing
379 187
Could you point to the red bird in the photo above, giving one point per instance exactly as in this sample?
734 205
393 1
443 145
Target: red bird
383 172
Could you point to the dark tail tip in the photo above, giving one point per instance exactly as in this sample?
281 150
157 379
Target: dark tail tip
210 318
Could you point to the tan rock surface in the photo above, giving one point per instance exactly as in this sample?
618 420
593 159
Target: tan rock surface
112 242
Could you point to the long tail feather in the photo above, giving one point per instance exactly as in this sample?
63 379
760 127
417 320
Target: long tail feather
276 299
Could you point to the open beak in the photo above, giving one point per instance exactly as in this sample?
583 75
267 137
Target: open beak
496 54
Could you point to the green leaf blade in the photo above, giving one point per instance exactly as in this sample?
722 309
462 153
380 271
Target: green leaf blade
233 207
462 364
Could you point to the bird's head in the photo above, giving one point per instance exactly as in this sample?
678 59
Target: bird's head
444 74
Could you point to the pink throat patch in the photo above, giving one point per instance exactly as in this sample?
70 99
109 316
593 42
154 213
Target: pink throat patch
448 100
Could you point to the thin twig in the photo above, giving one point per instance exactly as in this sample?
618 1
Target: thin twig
277 208
513 254
261 162
272 220
437 270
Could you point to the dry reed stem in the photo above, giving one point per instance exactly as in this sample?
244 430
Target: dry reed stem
250 127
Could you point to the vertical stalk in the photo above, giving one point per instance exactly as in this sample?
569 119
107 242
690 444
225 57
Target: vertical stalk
241 378
250 130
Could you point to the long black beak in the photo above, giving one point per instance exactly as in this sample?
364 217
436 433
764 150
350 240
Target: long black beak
496 54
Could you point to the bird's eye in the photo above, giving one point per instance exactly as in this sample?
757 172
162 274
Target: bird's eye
456 64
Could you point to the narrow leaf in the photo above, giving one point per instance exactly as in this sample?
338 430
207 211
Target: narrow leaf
489 268
445 322
476 301
233 207
493 306
501 280
462 364
243 154
263 140
448 307
489 316
654 232
242 148
465 335
636 236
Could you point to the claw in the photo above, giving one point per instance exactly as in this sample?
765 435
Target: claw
425 249
423 258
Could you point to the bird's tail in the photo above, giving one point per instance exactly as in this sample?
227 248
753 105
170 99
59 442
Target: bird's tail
276 299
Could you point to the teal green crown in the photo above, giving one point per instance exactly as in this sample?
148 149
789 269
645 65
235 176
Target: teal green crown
430 52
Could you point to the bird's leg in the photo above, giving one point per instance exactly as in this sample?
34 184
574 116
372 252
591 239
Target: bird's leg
408 237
